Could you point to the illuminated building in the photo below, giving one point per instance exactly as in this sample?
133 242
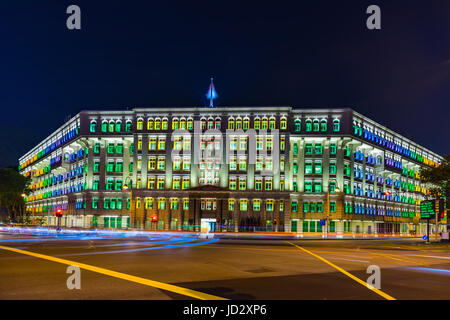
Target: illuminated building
91 165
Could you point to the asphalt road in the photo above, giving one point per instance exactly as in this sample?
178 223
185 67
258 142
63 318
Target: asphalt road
163 266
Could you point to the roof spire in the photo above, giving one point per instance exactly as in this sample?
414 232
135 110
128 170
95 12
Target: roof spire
212 94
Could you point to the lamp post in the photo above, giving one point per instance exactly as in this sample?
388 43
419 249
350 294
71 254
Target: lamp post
336 189
23 195
125 187
32 212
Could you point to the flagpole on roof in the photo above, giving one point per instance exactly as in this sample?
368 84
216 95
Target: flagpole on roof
212 94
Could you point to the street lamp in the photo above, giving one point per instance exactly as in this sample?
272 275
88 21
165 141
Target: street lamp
32 212
23 195
125 187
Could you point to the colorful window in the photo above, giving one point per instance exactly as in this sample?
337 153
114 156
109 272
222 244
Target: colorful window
333 148
294 206
298 125
161 203
256 205
128 125
269 205
231 203
336 125
283 124
93 126
140 124
243 203
316 125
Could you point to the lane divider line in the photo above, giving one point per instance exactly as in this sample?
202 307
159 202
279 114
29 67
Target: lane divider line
120 275
379 292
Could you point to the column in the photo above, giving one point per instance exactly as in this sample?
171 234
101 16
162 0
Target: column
339 225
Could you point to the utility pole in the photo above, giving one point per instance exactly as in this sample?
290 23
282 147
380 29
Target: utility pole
436 226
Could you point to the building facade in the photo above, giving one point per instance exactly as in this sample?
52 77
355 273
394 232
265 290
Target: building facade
235 169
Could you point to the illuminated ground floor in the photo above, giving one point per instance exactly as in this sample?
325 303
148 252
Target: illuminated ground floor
299 226
219 210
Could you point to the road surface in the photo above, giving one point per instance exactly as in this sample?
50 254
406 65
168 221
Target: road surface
124 265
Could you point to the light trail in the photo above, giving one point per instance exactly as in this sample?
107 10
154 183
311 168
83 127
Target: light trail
163 240
445 271
139 249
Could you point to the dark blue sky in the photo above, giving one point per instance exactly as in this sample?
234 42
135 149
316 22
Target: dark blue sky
162 53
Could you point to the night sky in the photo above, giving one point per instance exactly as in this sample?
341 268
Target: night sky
163 53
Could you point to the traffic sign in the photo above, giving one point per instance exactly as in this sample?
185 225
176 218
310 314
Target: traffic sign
427 209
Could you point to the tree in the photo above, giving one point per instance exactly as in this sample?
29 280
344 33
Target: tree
12 186
440 178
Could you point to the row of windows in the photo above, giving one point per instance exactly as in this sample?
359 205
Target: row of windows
233 124
111 126
256 205
316 125
312 206
116 203
316 148
157 124
206 204
153 145
258 123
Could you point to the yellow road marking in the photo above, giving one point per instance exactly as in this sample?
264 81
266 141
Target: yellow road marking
381 293
120 275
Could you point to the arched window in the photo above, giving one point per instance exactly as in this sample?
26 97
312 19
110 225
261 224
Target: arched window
336 125
283 124
203 123
246 123
238 123
231 123
257 123
272 123
183 123
118 125
128 125
157 124
210 123
379 160
93 126
175 124
104 126
150 124
323 125
298 125
190 124
164 124
217 123
264 123
140 124
111 126
316 125
308 125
